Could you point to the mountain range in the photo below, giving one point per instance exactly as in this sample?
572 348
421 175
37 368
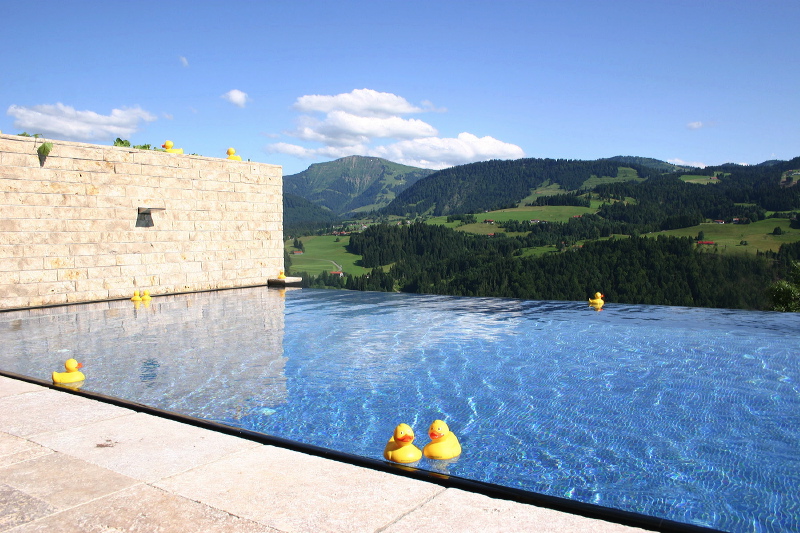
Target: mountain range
355 185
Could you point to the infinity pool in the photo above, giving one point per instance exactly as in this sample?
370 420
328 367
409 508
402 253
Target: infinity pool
687 414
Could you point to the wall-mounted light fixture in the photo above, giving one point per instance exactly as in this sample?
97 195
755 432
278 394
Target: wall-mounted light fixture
145 217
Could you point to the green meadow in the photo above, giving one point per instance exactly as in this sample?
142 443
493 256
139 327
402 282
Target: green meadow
728 238
556 213
701 180
324 254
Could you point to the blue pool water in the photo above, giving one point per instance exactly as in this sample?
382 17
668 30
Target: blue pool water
687 414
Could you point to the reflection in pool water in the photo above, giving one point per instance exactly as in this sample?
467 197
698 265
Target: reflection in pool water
687 414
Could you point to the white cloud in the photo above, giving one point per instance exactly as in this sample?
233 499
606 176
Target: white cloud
352 123
695 125
67 123
303 152
681 162
428 106
236 97
342 128
438 153
361 102
184 61
428 152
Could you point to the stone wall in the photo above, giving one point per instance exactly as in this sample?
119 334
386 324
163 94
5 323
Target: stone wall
71 228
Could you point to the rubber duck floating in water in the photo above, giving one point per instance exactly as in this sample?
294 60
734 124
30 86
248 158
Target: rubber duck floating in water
146 296
136 297
72 375
597 301
444 443
168 146
400 447
232 155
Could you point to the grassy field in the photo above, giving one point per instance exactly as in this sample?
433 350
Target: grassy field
550 213
324 254
545 190
625 174
728 237
702 180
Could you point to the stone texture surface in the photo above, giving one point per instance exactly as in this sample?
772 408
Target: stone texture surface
142 508
16 449
62 481
49 410
457 510
291 491
142 446
17 508
10 387
70 212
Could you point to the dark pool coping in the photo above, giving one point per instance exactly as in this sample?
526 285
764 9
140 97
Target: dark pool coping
491 490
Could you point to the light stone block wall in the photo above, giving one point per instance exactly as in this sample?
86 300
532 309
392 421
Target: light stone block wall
68 223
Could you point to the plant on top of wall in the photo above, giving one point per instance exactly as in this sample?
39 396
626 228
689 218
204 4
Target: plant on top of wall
127 143
44 151
44 148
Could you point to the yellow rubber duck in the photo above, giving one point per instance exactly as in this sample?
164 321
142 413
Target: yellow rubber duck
232 155
168 146
282 275
444 443
146 296
136 297
72 375
597 301
400 447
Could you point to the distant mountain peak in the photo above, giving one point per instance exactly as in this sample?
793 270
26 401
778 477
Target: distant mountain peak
353 183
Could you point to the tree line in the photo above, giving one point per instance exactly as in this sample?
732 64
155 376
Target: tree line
637 270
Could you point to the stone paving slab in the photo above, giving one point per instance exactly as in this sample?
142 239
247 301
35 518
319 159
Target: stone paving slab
458 510
16 449
10 387
291 491
62 481
143 446
142 508
51 410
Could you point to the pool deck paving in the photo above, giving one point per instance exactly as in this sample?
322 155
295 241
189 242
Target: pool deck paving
70 463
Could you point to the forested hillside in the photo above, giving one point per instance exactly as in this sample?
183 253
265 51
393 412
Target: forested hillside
666 270
661 166
493 185
303 216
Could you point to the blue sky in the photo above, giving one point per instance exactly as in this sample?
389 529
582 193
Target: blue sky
431 84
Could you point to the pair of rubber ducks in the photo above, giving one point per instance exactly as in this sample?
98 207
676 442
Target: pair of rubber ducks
143 298
444 444
72 374
168 147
